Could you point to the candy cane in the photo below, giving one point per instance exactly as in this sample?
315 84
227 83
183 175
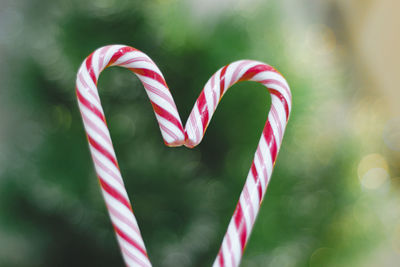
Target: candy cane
114 192
250 199
101 148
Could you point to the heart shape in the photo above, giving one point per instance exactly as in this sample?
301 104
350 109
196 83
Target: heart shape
173 133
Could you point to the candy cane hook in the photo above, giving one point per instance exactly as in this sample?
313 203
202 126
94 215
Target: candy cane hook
105 162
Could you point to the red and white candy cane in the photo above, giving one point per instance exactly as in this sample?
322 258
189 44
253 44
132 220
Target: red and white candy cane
114 193
250 199
101 148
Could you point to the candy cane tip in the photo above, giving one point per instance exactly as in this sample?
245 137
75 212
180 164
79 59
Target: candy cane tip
175 143
190 143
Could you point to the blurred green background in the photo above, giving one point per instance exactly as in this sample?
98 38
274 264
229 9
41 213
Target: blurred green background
334 195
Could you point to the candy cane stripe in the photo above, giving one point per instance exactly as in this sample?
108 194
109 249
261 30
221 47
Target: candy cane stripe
174 134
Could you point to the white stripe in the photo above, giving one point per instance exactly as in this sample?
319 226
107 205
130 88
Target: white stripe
248 66
141 64
126 228
107 163
249 187
95 63
88 97
260 174
227 255
280 110
275 131
215 95
131 55
281 90
246 214
199 125
190 131
167 137
266 155
253 193
110 53
133 251
163 103
99 139
111 181
121 208
91 87
235 241
269 75
172 127
86 77
104 63
157 85
217 87
83 89
228 74
95 120
103 171
209 99
237 65
127 56
128 261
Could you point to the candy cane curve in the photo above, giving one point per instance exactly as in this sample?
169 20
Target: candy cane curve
100 145
114 193
242 221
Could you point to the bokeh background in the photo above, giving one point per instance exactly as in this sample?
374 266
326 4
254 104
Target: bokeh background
334 195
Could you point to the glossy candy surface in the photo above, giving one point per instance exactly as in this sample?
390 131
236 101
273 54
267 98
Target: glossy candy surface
173 133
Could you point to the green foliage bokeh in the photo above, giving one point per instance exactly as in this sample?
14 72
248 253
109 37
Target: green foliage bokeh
52 212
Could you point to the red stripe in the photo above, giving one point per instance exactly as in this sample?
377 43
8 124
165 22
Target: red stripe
228 240
238 216
240 224
133 257
278 122
237 71
136 59
270 140
243 235
150 74
129 240
262 163
102 53
122 217
165 114
120 53
89 68
250 73
193 124
222 81
85 85
90 106
168 131
95 128
215 98
246 195
221 258
160 93
257 181
282 99
107 170
114 193
102 150
268 82
203 110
